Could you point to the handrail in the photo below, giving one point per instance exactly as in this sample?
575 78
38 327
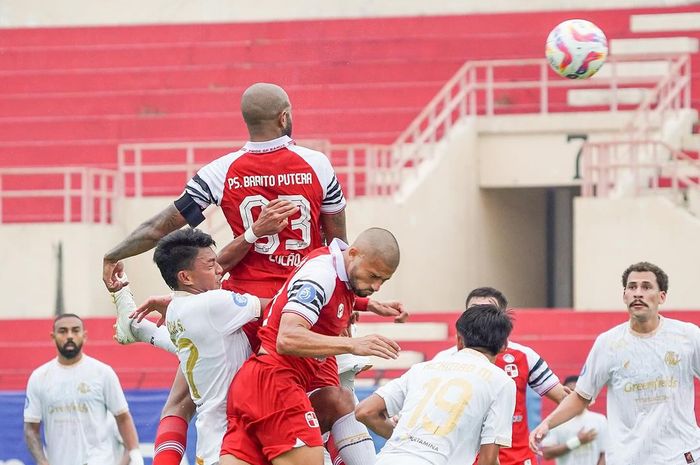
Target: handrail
95 188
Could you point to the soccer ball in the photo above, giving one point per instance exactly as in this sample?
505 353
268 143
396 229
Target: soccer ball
576 49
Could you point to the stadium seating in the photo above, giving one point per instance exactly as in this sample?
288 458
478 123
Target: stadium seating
69 96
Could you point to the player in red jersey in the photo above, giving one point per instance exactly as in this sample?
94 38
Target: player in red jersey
280 200
270 417
526 368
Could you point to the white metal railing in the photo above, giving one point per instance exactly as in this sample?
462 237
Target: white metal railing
624 168
632 163
485 88
69 194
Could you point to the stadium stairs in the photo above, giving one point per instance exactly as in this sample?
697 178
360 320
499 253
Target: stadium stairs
69 96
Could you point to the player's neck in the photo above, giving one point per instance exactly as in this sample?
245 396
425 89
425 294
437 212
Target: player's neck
645 326
69 361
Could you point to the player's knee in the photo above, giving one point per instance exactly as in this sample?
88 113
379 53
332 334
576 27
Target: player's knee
331 404
181 406
362 413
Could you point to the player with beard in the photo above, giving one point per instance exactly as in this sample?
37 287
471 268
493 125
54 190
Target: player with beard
282 201
77 398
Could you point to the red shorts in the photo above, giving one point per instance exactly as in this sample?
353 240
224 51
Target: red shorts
268 412
327 375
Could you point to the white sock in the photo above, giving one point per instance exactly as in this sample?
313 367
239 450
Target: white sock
147 331
353 441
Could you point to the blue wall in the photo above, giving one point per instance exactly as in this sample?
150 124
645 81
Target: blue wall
145 407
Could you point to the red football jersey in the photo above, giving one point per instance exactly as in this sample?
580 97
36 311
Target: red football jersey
319 292
526 367
244 181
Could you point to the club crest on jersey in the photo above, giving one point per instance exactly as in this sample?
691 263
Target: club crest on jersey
240 299
83 388
341 310
311 419
306 294
508 358
511 370
672 359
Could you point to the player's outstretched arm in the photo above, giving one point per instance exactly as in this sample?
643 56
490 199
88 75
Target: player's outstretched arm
143 238
570 407
372 412
295 338
32 437
274 217
558 393
392 308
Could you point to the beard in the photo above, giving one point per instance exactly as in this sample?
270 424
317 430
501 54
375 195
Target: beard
70 349
288 129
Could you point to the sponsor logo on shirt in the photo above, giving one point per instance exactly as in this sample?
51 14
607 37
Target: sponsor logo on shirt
423 442
311 419
341 309
653 384
508 358
672 359
306 294
240 300
689 457
511 370
83 388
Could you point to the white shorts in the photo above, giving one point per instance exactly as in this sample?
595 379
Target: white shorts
211 427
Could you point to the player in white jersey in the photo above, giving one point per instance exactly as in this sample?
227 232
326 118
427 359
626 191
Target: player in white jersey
456 407
77 398
648 365
581 440
205 324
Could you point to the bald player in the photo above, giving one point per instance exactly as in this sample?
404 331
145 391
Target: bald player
270 417
281 201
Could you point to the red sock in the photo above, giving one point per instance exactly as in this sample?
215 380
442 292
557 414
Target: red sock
333 452
171 439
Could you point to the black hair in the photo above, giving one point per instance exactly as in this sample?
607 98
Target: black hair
485 326
488 292
570 379
661 276
176 252
66 315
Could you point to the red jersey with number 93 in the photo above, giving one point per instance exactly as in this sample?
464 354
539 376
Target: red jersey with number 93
243 182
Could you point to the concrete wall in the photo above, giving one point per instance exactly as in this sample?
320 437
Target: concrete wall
610 235
32 13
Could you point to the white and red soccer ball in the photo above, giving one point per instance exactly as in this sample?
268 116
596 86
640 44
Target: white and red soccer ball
576 49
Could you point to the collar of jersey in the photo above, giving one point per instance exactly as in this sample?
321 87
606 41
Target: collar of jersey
181 294
473 353
336 248
268 145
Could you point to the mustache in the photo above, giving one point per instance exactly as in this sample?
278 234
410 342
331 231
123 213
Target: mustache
638 302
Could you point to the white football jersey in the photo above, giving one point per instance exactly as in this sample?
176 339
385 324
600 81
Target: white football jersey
448 408
651 414
75 403
211 346
586 454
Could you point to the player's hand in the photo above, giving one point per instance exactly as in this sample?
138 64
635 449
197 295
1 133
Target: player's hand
135 457
376 345
587 436
536 437
157 303
111 273
567 389
391 309
274 217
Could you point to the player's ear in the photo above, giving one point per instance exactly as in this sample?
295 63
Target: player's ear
662 297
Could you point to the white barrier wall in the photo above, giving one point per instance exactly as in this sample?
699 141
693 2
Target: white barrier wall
32 13
610 235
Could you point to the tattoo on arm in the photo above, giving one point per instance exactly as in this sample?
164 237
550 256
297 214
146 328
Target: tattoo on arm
146 235
334 227
34 444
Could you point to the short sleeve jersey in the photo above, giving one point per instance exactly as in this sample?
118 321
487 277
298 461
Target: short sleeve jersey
75 403
447 409
241 183
586 454
526 368
650 401
206 329
319 292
